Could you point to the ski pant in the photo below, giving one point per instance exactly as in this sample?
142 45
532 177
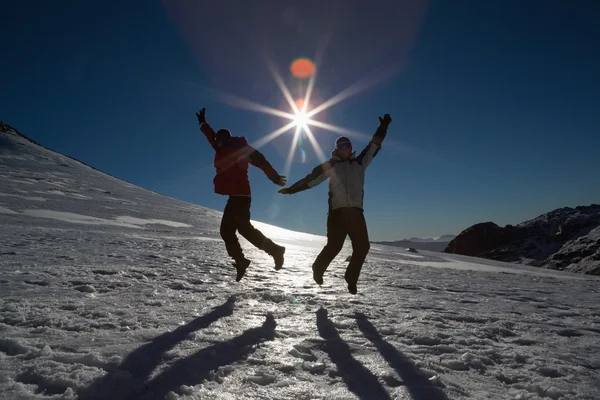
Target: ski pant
342 222
236 217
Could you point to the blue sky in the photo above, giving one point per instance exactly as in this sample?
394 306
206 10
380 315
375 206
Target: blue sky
495 106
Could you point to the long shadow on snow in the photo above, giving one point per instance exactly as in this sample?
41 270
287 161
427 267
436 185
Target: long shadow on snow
417 383
195 368
357 377
135 369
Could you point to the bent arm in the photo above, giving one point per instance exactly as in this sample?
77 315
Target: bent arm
209 133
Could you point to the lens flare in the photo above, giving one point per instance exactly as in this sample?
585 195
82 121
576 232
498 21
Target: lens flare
303 156
290 157
300 104
302 68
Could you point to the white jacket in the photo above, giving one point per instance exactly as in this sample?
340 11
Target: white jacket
346 177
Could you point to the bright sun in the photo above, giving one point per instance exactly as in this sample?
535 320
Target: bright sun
301 118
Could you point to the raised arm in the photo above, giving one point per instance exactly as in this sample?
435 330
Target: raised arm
206 128
318 175
366 156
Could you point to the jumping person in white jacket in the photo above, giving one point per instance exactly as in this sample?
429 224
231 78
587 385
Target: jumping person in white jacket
346 190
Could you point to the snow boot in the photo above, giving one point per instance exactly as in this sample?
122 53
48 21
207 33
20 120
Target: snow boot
278 257
318 277
241 265
352 288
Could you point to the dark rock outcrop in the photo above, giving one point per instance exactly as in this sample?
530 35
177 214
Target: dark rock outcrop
565 239
482 237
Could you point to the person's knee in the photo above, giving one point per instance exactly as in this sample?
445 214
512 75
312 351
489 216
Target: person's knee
361 249
227 232
333 248
246 229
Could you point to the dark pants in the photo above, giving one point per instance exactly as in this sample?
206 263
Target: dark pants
341 222
236 217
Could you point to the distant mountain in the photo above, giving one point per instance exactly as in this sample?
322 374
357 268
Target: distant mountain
430 244
423 240
445 238
564 239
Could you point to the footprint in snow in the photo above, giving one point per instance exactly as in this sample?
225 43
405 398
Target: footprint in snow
37 283
85 288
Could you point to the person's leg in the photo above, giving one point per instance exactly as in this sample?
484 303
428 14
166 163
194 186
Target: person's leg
229 225
336 234
228 229
256 237
359 235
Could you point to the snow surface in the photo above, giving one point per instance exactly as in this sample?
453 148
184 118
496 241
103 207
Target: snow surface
110 291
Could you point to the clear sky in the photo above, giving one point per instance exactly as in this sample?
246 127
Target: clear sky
495 104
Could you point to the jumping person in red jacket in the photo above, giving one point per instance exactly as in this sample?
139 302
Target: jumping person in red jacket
232 156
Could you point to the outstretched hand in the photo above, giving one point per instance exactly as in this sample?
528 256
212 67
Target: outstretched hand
285 191
201 116
279 180
386 120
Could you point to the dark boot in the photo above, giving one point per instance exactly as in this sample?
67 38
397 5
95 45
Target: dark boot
352 287
241 265
318 276
277 255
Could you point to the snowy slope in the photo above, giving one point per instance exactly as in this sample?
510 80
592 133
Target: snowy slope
110 291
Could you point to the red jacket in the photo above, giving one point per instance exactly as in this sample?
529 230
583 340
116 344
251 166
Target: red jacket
231 164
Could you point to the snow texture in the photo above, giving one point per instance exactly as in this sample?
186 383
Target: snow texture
111 291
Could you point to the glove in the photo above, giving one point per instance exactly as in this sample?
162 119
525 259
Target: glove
286 190
201 116
385 120
279 180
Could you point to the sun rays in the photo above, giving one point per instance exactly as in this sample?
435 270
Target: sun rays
300 114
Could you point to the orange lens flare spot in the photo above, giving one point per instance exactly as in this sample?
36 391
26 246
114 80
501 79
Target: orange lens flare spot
300 103
302 68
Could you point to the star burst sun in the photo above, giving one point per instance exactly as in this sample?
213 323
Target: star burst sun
300 117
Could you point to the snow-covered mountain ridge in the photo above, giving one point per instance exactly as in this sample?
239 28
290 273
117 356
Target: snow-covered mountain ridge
564 239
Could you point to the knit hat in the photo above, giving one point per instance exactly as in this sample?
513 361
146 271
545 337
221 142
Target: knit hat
342 143
222 137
